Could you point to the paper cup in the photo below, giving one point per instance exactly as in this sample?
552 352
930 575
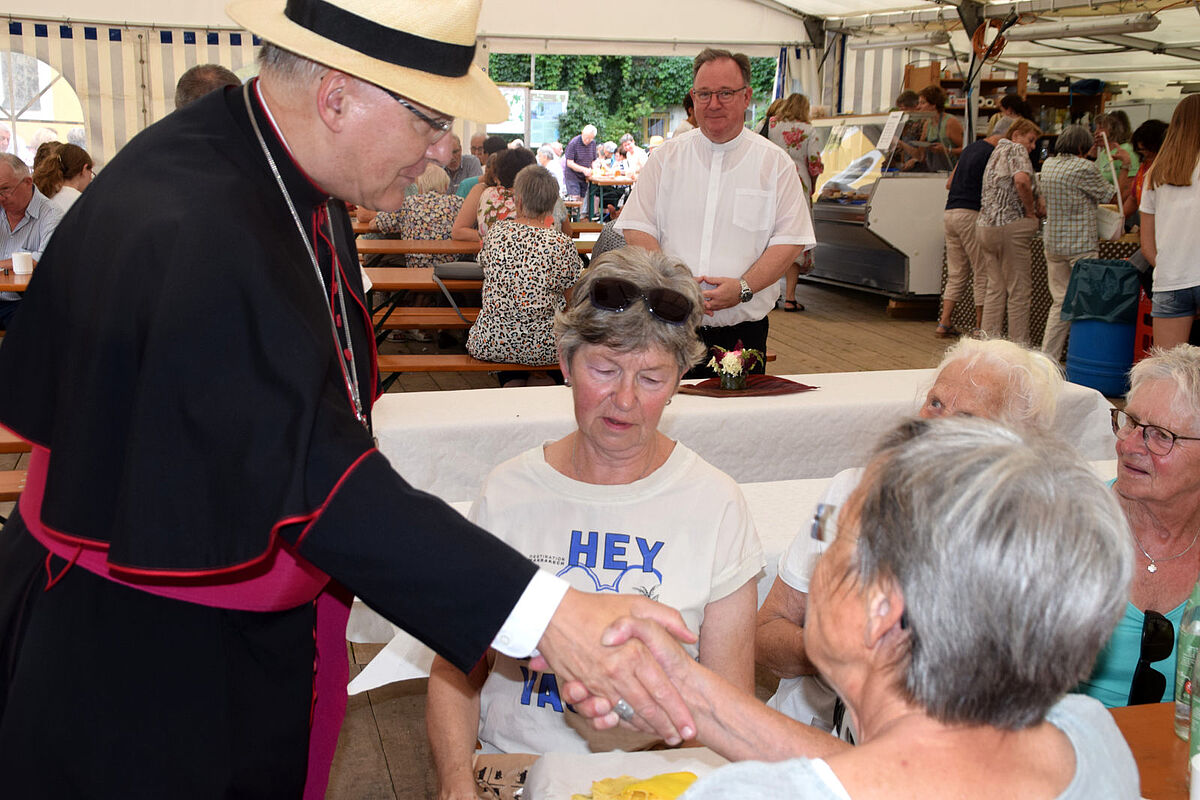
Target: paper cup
22 263
1194 767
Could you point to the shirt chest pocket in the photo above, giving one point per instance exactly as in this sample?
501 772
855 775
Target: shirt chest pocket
752 209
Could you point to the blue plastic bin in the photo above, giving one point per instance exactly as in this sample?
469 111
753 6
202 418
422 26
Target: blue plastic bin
1099 355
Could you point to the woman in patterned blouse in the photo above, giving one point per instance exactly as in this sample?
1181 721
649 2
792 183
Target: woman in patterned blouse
428 214
1008 219
790 128
488 205
528 267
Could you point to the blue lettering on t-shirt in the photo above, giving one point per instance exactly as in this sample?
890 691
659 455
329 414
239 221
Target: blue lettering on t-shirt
614 549
547 689
583 553
648 553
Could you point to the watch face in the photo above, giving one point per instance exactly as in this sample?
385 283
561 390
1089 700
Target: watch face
746 293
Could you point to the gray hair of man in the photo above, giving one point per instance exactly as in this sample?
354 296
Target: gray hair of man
1013 560
535 190
546 152
1181 366
1033 381
589 128
434 180
1075 140
20 169
634 328
713 54
288 66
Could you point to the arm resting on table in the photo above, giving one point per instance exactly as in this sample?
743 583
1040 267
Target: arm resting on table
452 723
779 640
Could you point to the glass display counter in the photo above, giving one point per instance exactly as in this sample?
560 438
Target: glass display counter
878 204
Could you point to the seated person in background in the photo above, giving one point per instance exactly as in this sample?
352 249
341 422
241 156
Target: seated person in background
63 175
527 267
606 157
29 220
615 506
1158 460
428 214
994 379
635 157
491 203
974 576
491 145
202 79
44 151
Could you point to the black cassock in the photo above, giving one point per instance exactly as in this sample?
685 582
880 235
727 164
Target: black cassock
175 365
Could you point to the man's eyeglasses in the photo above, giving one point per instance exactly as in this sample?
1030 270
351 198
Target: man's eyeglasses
1159 441
439 126
724 95
4 193
1158 638
618 294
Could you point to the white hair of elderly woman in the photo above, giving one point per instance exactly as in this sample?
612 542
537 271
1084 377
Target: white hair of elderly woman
1181 365
1013 559
1030 397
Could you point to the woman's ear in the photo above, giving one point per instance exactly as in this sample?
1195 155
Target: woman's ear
565 366
885 612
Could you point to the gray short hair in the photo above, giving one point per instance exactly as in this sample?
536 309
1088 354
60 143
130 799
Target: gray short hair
288 66
583 323
1075 140
545 151
1181 366
19 168
589 128
1034 381
1013 559
536 190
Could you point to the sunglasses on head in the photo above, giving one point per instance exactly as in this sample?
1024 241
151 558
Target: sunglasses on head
1158 637
618 294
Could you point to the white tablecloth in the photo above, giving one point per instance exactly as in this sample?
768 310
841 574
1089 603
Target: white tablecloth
447 442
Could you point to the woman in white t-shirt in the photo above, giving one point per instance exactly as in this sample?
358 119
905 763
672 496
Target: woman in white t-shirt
64 174
615 506
1170 237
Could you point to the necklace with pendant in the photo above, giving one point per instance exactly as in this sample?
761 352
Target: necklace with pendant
1152 567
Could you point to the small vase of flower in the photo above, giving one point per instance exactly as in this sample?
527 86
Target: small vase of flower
732 366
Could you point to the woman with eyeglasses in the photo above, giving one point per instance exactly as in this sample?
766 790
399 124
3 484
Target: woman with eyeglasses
614 506
1158 487
974 576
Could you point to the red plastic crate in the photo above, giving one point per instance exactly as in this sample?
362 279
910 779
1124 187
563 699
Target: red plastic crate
1143 336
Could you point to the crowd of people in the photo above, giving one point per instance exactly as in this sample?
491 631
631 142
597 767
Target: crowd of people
272 505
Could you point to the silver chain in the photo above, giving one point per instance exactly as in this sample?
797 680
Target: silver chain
350 370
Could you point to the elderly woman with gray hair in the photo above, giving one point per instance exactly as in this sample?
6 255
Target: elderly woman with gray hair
994 379
974 577
1072 186
528 266
1158 488
615 506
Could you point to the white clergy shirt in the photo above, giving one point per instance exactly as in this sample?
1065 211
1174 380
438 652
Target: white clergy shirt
717 207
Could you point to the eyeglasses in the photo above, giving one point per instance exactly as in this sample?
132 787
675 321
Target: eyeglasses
824 523
702 96
1159 441
439 126
4 193
618 294
1158 638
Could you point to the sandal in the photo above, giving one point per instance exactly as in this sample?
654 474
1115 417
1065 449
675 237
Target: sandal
794 306
947 332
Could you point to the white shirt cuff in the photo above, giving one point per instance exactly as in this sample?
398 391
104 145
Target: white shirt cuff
520 633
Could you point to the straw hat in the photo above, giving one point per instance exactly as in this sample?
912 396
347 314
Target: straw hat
420 49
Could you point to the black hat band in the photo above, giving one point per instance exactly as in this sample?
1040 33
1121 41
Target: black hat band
381 42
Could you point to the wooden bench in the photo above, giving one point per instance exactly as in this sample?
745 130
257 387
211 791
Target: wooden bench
12 483
458 362
424 318
11 443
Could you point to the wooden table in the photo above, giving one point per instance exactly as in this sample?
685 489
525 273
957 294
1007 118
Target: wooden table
1161 755
414 279
434 247
597 185
11 443
360 227
12 282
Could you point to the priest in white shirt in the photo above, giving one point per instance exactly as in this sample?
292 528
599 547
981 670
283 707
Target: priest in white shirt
728 203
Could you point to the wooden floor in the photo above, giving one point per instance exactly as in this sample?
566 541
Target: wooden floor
382 752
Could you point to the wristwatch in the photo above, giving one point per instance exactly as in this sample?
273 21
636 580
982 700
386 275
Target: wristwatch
746 293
